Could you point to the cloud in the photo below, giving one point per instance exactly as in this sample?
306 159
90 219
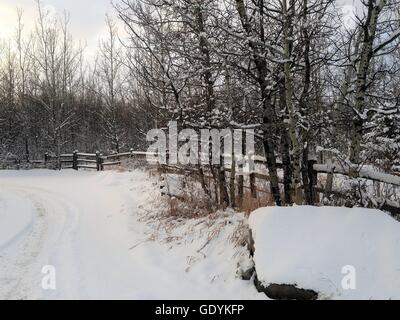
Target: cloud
8 19
87 18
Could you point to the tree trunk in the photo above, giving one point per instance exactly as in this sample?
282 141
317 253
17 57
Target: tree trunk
223 192
285 149
210 96
287 30
369 35
232 177
268 111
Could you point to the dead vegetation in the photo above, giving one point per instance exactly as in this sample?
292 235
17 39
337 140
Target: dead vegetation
249 203
189 218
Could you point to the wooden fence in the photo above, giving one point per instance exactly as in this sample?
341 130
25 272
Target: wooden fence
78 160
99 162
317 190
374 176
96 161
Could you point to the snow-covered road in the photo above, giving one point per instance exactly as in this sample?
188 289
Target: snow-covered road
85 224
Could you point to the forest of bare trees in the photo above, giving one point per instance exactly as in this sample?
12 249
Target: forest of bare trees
312 84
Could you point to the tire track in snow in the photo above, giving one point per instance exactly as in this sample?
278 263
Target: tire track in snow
14 267
49 236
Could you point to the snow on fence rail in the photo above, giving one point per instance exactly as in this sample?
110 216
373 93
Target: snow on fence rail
76 160
363 173
314 169
97 161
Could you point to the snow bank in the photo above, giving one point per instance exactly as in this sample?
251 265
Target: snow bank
318 248
199 259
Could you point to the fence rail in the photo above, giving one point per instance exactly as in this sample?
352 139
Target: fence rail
316 189
79 160
97 161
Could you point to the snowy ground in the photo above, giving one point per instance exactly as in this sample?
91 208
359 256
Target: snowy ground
90 227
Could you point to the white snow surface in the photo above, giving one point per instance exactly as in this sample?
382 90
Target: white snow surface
309 246
90 227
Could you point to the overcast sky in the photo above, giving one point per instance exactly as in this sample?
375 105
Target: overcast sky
86 17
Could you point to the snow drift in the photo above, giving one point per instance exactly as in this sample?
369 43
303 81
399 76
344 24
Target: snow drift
323 248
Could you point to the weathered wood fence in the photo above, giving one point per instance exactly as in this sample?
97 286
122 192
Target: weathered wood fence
363 173
97 161
79 160
318 190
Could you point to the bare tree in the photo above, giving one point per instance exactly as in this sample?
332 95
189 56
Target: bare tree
111 81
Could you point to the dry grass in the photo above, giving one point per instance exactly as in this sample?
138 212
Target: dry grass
192 202
187 219
240 237
190 205
249 204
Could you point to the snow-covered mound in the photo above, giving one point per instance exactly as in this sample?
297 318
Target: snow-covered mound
340 253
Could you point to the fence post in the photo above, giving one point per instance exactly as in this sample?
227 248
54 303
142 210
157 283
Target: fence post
46 158
253 188
329 179
313 180
75 160
252 168
101 162
98 161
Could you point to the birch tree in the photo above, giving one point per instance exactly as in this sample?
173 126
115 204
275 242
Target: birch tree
372 25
